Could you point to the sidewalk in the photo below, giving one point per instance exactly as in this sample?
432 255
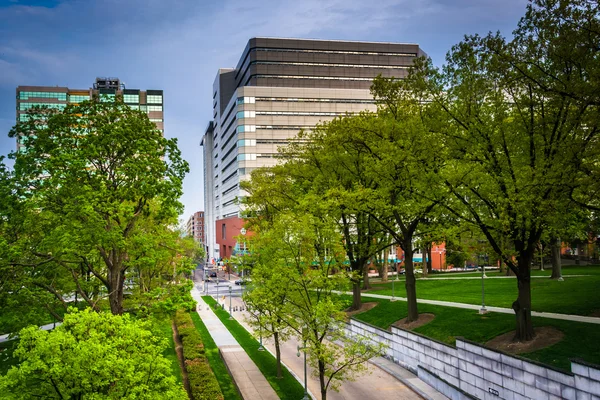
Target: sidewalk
246 375
566 317
380 382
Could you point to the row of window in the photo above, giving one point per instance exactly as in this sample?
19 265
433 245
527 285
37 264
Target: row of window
245 100
154 99
131 98
245 114
43 95
156 120
27 106
371 53
312 64
246 142
327 78
246 128
247 157
253 114
78 98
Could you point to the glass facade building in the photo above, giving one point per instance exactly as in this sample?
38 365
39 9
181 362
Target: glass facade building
149 101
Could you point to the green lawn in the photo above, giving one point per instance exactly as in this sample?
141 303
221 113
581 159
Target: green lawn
580 341
576 295
165 328
216 363
287 387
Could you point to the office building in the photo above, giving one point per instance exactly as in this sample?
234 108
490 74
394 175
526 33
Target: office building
150 101
195 226
279 87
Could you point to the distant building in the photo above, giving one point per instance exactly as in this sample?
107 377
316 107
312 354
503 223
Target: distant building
195 227
279 87
149 101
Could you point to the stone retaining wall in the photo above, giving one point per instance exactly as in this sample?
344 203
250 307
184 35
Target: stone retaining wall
470 369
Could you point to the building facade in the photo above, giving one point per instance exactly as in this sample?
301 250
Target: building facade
195 227
279 87
149 101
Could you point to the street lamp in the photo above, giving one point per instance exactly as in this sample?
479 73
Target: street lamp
483 310
217 293
230 316
303 348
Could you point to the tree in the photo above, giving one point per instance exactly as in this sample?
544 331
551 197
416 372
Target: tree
76 361
90 176
517 141
404 158
334 171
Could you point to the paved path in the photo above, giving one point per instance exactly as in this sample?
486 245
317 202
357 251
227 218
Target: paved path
436 278
566 317
246 375
375 384
48 327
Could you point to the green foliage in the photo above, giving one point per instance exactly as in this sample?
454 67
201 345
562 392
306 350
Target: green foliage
76 359
97 191
203 383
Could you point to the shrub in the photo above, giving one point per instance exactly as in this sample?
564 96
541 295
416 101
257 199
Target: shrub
203 383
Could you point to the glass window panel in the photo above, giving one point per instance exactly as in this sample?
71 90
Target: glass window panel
154 99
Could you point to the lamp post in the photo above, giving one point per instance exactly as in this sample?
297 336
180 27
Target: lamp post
483 310
303 348
230 316
217 293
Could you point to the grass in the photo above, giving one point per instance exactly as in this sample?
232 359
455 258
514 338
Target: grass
580 340
216 363
576 295
287 387
165 328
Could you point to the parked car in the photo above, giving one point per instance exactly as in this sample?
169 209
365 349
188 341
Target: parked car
213 274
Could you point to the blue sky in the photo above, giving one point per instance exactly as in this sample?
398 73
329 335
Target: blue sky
178 45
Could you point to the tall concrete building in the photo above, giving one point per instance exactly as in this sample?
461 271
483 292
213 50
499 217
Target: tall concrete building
150 101
279 87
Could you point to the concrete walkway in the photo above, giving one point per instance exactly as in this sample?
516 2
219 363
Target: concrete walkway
383 380
246 375
565 317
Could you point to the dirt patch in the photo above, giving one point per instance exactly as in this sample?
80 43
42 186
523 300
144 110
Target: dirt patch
179 351
545 336
595 313
424 318
364 307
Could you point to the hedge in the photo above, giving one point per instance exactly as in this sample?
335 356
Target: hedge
203 383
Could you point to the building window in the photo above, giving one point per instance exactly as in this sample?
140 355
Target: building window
78 98
246 157
245 114
27 106
107 98
131 98
246 142
245 100
154 108
43 95
246 128
154 99
223 231
156 119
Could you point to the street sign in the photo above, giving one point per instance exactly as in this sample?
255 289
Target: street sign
243 231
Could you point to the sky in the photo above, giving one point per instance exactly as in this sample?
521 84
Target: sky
178 46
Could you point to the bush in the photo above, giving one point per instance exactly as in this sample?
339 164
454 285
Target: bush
203 383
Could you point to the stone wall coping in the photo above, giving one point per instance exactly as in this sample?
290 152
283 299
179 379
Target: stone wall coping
584 363
534 362
424 337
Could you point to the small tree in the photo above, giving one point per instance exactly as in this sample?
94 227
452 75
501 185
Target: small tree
76 361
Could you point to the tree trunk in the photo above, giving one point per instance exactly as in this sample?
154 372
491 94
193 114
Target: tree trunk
386 254
365 271
278 354
522 306
322 380
410 283
356 299
578 256
556 264
429 260
116 280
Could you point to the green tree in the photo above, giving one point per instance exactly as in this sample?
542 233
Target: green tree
91 175
76 361
516 141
